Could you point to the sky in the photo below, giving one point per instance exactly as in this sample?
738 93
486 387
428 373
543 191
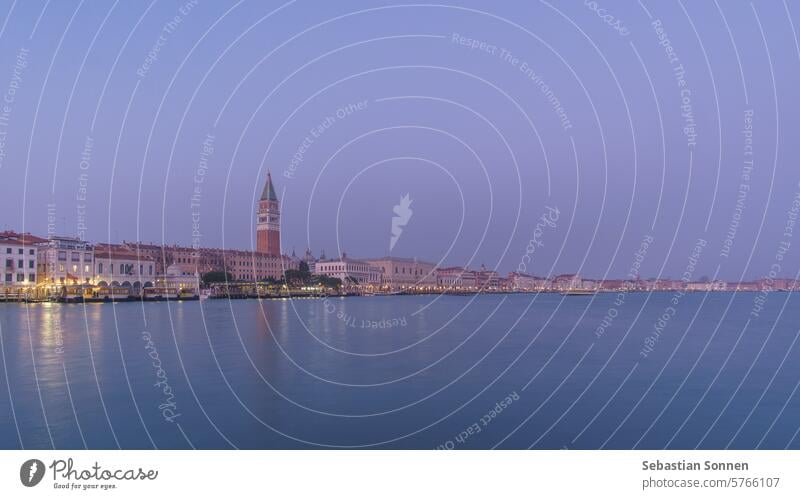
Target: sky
651 127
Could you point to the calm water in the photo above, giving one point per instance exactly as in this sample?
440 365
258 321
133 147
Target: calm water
513 371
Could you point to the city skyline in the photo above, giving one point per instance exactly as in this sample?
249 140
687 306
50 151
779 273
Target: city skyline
346 151
368 224
267 232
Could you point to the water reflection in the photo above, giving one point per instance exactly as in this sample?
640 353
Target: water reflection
230 382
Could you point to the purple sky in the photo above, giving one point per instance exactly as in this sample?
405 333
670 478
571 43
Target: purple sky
404 104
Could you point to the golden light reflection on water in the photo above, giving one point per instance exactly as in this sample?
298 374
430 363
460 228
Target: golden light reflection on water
175 317
59 327
92 323
280 323
49 323
45 326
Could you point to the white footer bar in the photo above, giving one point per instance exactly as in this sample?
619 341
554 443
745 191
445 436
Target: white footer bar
406 474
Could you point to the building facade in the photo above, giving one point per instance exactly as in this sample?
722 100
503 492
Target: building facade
179 276
255 266
456 278
520 281
486 279
116 265
567 282
241 265
20 258
349 271
65 261
404 273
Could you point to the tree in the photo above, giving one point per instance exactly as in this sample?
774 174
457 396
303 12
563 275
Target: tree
294 277
217 276
329 282
300 276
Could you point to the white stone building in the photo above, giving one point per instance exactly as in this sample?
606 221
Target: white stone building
349 269
520 281
404 273
456 278
115 265
20 257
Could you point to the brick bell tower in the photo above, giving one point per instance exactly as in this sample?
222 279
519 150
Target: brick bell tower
268 226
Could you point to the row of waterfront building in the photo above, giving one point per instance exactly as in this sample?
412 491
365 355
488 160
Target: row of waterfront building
399 274
55 262
56 265
48 266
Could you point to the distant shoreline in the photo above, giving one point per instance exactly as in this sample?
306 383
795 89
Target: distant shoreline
383 295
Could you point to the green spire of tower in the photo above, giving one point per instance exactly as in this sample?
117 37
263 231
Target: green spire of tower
268 194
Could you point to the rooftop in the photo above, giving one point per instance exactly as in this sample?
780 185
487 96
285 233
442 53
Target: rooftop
16 238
